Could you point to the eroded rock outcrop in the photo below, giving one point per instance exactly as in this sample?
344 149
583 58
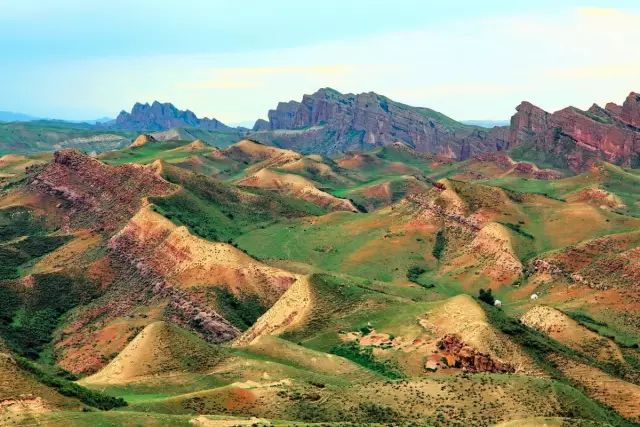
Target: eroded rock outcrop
91 194
630 110
141 140
163 116
331 122
470 359
576 138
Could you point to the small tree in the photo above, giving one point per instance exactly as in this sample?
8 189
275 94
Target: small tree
415 272
440 244
485 295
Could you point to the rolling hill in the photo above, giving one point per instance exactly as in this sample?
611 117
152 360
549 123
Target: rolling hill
250 283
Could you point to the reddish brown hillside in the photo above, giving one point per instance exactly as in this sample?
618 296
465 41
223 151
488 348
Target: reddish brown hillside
93 194
582 137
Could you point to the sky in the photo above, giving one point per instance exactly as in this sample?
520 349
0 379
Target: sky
234 60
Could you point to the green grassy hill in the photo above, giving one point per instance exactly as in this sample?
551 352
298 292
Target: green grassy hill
372 316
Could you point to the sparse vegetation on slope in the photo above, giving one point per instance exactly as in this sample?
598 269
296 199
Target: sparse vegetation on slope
23 238
30 317
242 312
364 356
216 211
339 303
69 388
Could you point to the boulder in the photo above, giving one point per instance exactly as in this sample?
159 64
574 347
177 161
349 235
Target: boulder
470 359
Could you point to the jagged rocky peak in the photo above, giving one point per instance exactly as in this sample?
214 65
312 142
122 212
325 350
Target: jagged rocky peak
159 116
331 122
528 118
72 158
630 111
578 138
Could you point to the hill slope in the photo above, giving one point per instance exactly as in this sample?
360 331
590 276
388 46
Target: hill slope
158 271
160 348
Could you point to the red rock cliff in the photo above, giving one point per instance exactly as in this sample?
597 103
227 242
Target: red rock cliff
579 138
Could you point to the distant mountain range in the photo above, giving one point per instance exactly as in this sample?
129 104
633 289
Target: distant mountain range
10 116
163 116
332 123
486 123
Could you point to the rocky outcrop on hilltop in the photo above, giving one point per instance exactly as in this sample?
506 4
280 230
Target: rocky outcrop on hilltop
331 122
576 139
91 194
142 139
152 241
163 116
630 110
524 169
470 359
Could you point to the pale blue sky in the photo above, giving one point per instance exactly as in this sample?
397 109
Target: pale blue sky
236 59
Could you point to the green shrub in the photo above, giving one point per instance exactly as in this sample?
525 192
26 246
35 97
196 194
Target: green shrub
364 357
31 330
415 272
29 318
518 229
71 389
366 330
35 242
486 296
241 312
11 302
440 245
375 413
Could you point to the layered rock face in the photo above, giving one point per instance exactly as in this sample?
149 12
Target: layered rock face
162 116
470 359
91 194
577 138
630 110
330 122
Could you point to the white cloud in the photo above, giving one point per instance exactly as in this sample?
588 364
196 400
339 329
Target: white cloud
256 77
466 69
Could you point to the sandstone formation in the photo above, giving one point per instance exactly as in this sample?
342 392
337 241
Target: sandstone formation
333 123
296 186
94 195
330 122
289 311
156 350
470 359
575 138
